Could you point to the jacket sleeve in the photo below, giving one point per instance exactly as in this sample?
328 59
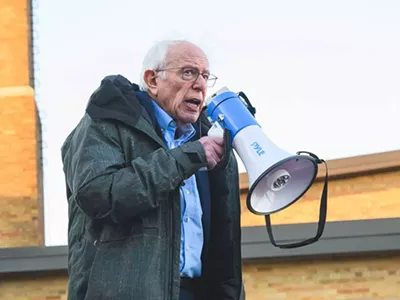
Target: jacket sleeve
104 185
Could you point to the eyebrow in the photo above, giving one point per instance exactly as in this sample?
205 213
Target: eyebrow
191 66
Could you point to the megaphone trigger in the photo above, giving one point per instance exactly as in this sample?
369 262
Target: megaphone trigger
216 130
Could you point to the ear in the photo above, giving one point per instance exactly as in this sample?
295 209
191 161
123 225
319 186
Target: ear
150 77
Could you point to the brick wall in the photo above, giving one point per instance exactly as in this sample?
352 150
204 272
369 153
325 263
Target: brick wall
41 286
361 198
14 40
19 188
356 278
361 278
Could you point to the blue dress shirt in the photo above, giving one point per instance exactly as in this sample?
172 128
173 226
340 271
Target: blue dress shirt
191 211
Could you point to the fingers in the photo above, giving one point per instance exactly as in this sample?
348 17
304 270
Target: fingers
216 148
219 150
211 164
215 156
213 147
212 157
218 140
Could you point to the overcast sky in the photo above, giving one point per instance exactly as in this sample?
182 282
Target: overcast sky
323 75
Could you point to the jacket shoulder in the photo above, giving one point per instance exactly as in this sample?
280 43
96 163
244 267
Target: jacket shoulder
88 126
120 81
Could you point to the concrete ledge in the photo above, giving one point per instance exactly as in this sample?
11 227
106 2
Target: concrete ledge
339 239
33 259
16 91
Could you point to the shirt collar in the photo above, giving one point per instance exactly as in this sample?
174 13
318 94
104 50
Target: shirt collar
164 120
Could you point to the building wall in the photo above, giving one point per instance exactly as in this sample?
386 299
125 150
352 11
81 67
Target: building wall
357 278
364 197
43 286
347 278
374 277
19 186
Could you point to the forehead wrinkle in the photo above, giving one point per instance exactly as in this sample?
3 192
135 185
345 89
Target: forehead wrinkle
189 54
195 63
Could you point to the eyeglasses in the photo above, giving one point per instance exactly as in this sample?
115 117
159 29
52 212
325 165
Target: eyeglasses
191 74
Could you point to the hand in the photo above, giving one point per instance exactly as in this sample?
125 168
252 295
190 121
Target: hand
214 150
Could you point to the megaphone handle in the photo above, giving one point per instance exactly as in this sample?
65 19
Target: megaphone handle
321 222
250 107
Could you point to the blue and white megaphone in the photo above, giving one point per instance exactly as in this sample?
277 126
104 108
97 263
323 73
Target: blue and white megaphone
277 178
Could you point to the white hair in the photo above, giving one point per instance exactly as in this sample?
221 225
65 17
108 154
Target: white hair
156 59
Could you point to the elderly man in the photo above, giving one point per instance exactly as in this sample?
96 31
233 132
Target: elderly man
152 216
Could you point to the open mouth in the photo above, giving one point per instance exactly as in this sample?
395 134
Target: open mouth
193 103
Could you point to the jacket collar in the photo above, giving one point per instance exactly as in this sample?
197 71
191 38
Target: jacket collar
115 99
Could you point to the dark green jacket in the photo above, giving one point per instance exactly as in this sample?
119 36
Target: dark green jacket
124 210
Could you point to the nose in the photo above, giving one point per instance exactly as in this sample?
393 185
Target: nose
200 83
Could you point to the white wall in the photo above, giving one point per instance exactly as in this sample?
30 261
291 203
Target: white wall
324 75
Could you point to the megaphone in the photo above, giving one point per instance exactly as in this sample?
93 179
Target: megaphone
277 178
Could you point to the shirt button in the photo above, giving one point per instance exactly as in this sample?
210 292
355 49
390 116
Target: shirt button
187 219
187 192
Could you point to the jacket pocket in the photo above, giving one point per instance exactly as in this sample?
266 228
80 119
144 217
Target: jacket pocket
128 269
111 232
80 262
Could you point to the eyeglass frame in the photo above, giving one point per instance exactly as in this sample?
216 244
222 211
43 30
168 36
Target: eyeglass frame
214 79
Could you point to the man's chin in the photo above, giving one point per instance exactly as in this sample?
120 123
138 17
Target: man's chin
189 118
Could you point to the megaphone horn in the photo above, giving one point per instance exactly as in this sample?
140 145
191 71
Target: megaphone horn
277 179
